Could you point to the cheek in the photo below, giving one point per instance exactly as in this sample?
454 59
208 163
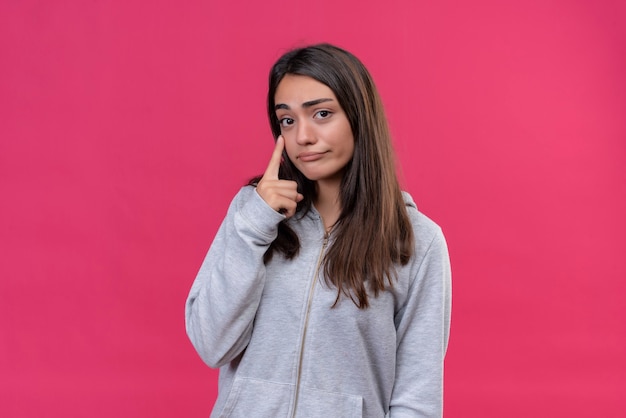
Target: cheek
351 153
348 137
349 144
289 149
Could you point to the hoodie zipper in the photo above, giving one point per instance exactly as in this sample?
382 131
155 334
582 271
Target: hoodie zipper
306 323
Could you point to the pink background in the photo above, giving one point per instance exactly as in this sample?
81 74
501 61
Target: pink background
126 127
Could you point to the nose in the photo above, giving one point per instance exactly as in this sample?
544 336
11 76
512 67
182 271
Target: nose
305 134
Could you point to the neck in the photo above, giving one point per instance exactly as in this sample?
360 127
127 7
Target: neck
327 202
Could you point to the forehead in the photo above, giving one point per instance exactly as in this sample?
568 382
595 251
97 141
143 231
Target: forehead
298 89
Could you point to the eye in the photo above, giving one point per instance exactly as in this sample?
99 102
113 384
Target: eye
323 114
285 122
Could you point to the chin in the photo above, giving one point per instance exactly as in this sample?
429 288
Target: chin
316 175
319 176
311 177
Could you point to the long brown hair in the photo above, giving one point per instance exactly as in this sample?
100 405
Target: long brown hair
373 233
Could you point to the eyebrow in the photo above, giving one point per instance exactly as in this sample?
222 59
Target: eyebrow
305 104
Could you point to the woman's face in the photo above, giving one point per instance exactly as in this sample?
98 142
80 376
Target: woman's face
317 133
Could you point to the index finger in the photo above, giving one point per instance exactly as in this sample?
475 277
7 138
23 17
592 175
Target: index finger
271 172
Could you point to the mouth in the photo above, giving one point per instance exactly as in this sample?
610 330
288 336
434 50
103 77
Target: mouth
310 156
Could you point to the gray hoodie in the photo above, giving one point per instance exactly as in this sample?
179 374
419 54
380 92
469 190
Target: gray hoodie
284 352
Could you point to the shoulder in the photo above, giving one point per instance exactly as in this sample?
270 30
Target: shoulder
427 233
250 206
244 194
247 196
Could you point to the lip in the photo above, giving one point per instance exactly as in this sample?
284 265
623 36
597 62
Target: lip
310 156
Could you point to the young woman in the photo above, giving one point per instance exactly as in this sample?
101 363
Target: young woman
325 293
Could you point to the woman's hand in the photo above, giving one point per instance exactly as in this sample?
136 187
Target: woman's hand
280 195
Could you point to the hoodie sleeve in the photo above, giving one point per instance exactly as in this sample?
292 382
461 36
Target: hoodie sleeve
225 295
423 326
